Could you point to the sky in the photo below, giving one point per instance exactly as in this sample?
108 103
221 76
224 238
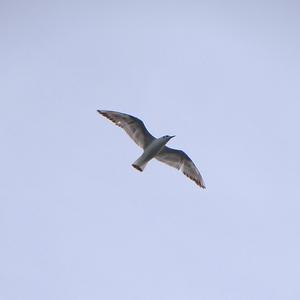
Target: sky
78 222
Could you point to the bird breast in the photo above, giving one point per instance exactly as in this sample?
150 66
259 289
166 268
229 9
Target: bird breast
154 148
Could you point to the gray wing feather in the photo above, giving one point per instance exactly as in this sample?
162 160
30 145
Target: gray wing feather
180 160
133 126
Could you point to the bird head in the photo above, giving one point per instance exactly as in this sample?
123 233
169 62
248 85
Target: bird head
168 137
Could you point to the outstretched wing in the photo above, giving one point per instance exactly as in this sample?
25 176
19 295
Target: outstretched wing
180 160
134 127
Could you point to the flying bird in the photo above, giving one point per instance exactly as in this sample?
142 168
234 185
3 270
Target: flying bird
154 147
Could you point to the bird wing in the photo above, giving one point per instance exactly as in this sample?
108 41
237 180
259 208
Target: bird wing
180 160
134 127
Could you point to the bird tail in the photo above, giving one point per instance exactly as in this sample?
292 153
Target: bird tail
140 164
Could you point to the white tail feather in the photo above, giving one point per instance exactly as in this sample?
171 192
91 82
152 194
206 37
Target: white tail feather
140 164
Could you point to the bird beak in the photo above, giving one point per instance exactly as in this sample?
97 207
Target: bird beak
172 136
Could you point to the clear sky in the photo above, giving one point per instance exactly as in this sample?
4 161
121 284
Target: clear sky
78 222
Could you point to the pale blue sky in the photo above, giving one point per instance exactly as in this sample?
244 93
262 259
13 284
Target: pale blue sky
78 222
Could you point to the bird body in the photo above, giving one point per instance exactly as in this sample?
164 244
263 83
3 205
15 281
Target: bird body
154 147
150 152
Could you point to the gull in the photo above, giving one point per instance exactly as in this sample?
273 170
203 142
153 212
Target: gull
154 147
